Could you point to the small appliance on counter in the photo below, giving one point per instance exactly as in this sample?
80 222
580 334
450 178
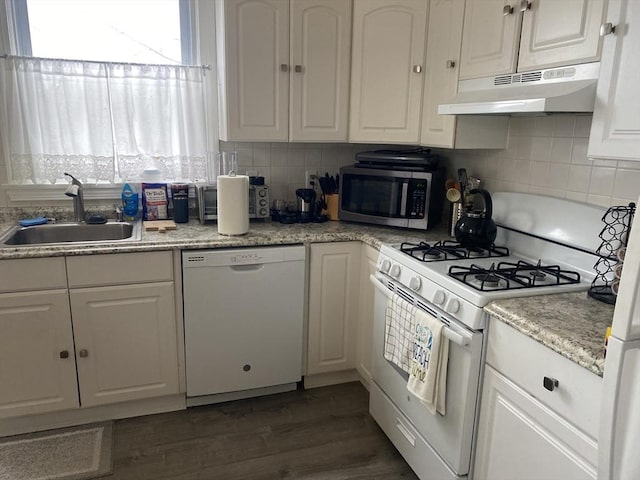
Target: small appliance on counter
207 199
306 201
399 188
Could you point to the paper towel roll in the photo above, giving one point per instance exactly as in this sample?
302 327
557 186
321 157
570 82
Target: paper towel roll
233 204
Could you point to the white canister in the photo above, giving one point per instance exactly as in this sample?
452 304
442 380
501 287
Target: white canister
233 204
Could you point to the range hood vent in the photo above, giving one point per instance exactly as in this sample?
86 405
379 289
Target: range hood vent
563 89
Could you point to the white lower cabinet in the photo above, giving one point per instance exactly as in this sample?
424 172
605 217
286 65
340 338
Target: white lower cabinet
37 362
530 432
63 349
334 272
126 346
368 260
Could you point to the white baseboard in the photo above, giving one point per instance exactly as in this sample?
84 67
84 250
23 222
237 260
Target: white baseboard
331 378
226 397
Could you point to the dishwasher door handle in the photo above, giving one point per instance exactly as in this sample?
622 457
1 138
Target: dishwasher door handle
247 268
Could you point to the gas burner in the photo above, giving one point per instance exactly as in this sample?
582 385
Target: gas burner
450 250
477 252
510 276
488 279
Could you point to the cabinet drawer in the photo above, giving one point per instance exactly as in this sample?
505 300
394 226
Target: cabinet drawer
119 269
32 274
526 362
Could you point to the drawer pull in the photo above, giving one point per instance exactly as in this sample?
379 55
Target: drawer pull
405 432
550 383
64 354
83 353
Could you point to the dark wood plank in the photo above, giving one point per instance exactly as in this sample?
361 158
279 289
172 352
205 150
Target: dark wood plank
324 433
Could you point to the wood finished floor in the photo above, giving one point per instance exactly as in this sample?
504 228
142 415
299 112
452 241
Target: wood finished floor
323 433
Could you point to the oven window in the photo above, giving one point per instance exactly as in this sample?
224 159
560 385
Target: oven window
391 197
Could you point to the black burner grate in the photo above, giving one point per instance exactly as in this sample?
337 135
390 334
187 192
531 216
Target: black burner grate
510 276
450 250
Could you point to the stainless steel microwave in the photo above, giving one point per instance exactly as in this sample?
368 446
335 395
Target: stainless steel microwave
392 196
207 198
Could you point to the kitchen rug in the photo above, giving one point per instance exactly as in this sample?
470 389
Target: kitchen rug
75 453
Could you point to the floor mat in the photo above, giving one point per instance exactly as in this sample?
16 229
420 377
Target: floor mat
75 453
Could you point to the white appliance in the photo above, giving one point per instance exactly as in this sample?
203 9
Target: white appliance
544 245
243 320
559 89
619 439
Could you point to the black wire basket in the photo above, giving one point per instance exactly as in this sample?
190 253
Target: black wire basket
614 236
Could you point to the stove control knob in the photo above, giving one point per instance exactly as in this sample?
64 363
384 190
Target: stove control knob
454 306
439 298
395 271
415 283
385 266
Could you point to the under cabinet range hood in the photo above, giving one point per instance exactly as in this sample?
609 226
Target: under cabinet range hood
568 89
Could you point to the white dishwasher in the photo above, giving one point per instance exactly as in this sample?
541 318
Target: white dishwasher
243 319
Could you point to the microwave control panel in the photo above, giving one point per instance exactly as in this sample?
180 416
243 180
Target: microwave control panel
418 198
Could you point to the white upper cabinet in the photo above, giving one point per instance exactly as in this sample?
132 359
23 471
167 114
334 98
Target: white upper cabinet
615 130
320 68
490 39
560 33
508 36
253 69
387 70
283 69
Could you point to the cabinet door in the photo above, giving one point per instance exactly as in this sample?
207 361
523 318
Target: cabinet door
387 70
37 366
125 342
560 33
520 438
444 38
615 130
321 63
334 270
490 38
255 46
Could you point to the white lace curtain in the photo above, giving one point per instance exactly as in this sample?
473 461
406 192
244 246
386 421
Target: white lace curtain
102 122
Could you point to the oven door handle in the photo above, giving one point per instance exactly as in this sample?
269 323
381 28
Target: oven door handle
452 335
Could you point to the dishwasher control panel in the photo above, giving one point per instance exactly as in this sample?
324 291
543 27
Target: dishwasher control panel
241 256
246 258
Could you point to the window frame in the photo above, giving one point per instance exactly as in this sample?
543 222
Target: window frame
199 46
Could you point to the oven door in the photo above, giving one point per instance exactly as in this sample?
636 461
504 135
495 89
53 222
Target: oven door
451 435
386 197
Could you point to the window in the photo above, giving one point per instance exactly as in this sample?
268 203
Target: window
136 31
125 102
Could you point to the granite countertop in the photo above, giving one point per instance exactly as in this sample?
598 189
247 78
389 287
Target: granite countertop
572 324
194 235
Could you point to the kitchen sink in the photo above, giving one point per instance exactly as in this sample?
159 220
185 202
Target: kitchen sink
72 233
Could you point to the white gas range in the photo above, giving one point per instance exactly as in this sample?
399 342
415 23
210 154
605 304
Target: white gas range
544 245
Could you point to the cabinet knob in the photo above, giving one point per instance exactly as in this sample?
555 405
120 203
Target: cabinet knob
525 5
607 29
284 67
550 383
83 353
507 10
451 63
64 354
298 68
417 68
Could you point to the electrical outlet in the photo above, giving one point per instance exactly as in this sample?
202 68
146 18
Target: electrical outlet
310 176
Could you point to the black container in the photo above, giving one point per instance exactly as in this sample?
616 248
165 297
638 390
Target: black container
180 194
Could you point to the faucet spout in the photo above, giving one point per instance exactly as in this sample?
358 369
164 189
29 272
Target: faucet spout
74 190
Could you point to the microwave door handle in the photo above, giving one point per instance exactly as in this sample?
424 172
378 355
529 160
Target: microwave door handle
403 201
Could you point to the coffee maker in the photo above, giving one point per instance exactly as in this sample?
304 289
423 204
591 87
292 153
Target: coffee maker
306 198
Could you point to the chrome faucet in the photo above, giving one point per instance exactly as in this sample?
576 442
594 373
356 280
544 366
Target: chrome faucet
74 190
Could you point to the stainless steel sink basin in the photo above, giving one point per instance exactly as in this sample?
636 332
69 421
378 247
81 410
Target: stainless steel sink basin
72 233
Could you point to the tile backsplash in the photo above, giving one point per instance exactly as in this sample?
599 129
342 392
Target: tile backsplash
548 155
545 155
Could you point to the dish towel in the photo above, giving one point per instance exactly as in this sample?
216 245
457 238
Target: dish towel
398 332
430 356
